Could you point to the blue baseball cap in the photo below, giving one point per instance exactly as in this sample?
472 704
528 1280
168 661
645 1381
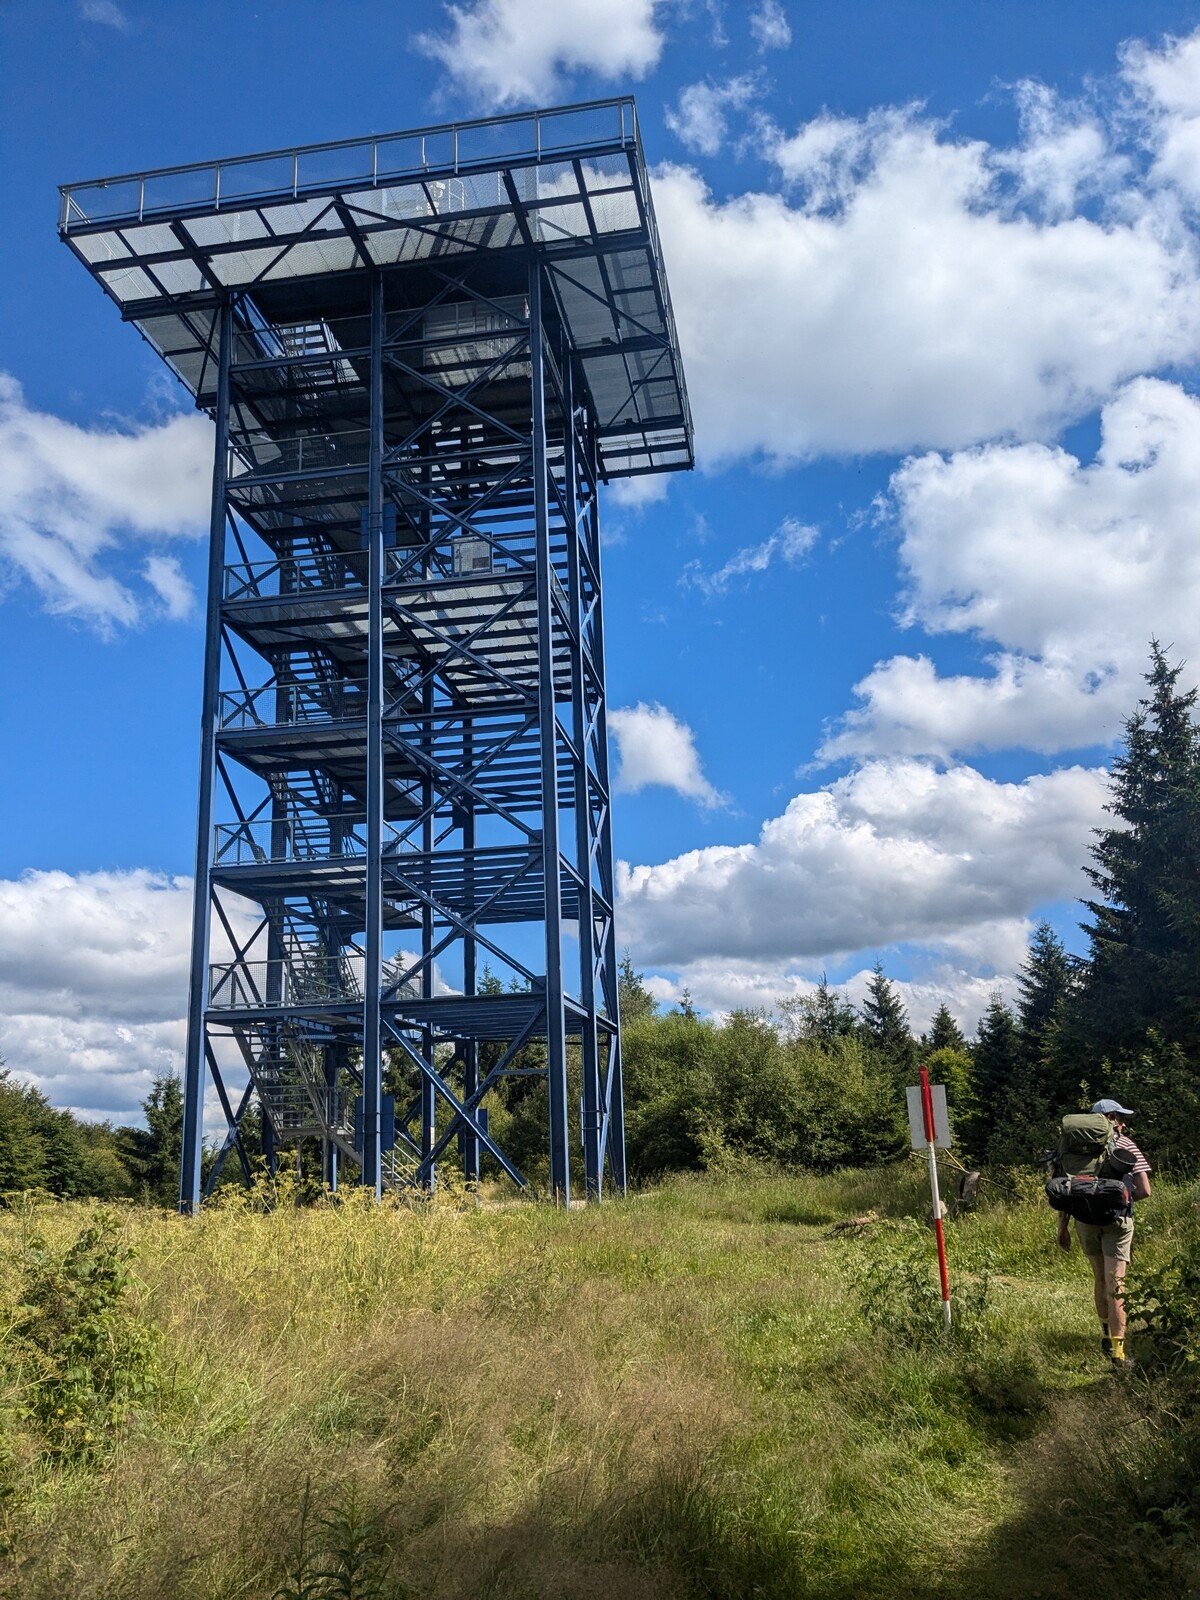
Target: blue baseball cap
1111 1107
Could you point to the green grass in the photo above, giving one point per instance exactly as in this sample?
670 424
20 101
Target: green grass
675 1396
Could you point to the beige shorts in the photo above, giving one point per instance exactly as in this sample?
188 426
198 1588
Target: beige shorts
1114 1241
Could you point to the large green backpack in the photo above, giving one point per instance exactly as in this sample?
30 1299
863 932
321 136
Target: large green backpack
1085 1144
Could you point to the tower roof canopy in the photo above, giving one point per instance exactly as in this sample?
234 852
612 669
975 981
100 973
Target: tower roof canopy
568 183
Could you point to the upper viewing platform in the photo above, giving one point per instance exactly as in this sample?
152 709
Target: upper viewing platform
291 232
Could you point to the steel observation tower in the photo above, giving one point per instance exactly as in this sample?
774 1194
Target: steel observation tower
423 353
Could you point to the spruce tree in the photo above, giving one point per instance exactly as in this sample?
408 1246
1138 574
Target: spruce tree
152 1153
944 1033
1144 970
997 1059
821 1017
1045 983
634 998
886 1029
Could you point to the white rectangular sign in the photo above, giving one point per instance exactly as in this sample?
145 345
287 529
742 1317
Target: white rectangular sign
916 1118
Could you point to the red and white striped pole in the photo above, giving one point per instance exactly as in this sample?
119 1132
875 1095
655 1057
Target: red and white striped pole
939 1230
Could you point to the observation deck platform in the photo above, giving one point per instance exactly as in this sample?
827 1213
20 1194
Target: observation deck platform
295 227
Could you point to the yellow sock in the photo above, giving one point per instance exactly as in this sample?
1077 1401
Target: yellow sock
1118 1349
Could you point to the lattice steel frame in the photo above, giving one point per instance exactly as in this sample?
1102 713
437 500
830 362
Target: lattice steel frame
454 413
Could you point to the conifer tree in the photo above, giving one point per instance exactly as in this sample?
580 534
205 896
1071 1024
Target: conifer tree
1144 970
152 1153
1044 982
1132 1026
821 1017
997 1059
886 1029
634 997
944 1033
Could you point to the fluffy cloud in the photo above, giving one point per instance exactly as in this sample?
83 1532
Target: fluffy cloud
169 582
93 983
896 852
916 291
1068 568
510 52
655 748
769 26
720 987
1166 86
69 495
790 543
700 119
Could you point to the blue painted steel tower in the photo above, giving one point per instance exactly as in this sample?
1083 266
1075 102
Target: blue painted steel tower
422 354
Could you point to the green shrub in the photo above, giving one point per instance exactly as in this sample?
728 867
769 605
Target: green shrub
894 1273
86 1357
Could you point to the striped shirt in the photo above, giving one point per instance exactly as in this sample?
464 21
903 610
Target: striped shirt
1140 1164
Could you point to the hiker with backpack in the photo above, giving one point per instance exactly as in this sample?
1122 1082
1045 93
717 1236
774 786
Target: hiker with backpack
1098 1174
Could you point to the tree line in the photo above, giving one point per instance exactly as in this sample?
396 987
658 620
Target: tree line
820 1083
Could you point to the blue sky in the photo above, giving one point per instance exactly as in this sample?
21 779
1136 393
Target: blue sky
936 273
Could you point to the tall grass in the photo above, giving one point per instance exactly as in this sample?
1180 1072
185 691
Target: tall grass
680 1395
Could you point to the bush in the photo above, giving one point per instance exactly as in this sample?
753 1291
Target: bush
85 1355
895 1276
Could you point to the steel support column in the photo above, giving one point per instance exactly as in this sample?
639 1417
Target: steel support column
192 1151
615 1085
556 1039
372 1051
589 1047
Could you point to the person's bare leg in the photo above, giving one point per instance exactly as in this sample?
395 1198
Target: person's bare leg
1100 1289
1114 1276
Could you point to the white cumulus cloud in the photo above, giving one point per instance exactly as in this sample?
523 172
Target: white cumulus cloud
656 749
903 295
700 118
1166 84
719 987
171 584
70 495
896 852
93 983
510 52
1067 569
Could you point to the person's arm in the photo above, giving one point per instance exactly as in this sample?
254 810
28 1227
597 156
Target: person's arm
1139 1186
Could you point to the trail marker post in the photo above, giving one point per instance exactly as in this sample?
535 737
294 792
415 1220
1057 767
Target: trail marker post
929 1127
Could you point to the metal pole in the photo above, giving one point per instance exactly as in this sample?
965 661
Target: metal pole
428 1093
372 1056
589 1045
470 974
939 1230
615 1135
192 1150
556 1041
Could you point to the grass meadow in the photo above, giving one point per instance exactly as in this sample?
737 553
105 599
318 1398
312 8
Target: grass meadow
715 1388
